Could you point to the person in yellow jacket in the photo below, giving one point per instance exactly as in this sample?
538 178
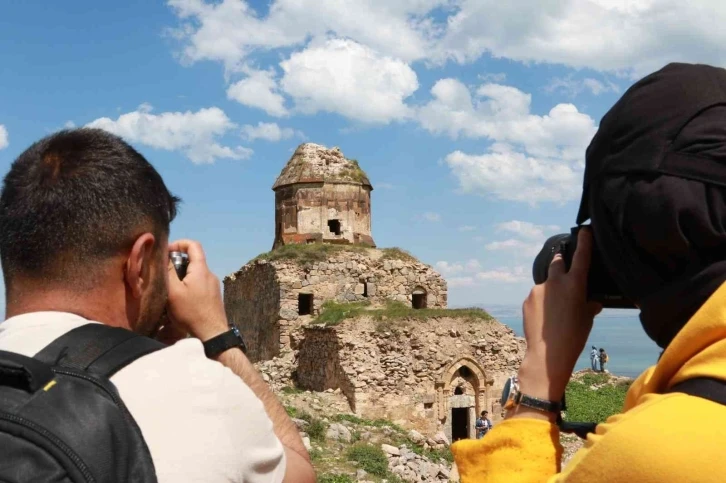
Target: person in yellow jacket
655 195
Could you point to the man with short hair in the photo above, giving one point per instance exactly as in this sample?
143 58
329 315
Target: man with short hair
483 425
594 358
84 226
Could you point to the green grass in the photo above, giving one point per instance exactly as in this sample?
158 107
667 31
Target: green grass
376 423
321 252
291 411
370 458
308 253
335 478
292 390
333 313
588 405
316 430
396 253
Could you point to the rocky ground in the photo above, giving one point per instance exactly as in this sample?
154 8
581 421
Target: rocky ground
346 448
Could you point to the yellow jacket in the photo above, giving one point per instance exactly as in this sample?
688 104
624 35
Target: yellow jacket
658 437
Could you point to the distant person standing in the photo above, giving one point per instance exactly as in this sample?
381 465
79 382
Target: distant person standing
594 358
603 360
483 425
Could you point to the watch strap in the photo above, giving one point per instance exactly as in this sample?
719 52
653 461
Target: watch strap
537 403
227 340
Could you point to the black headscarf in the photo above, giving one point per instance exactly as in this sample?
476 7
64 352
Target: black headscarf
663 237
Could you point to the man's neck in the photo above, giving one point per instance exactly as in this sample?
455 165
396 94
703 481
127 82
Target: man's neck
96 305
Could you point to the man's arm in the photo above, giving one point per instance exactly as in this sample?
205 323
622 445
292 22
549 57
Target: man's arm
299 468
196 306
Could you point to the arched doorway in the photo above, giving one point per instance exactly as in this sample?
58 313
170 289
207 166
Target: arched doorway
418 298
462 394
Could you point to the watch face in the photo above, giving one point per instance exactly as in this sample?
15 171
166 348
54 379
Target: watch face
506 392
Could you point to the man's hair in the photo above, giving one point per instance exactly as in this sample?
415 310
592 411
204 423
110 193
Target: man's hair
74 199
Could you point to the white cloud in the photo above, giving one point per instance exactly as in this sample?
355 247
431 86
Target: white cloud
446 268
432 217
69 125
471 273
385 186
573 87
259 89
513 176
195 134
231 30
269 131
632 37
460 282
526 229
3 137
350 79
513 245
637 36
467 228
505 274
533 158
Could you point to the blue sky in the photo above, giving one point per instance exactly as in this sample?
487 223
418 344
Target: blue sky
470 117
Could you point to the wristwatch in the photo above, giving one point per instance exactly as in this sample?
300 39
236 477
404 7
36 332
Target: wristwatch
512 396
227 340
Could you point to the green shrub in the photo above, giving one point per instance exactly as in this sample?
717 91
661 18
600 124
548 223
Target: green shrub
291 390
316 430
594 379
315 455
335 478
308 252
588 405
370 458
332 313
291 411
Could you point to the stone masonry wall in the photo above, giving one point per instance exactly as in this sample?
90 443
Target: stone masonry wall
252 304
402 370
319 367
349 276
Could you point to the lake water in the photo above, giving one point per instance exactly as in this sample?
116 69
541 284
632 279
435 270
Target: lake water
630 351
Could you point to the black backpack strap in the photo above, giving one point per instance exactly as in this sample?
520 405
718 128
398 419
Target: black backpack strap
705 387
97 348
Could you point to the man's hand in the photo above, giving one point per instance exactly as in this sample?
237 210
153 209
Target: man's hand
195 303
557 322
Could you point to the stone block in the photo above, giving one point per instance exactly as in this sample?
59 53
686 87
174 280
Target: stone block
371 289
391 450
360 289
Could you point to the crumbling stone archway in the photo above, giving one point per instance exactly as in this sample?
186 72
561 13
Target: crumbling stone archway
457 409
418 298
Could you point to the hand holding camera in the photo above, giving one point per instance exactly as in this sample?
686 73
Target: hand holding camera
195 298
557 321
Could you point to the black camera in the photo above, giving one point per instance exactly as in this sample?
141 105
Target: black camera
180 261
600 285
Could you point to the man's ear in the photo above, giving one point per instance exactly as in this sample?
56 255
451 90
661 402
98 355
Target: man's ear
139 263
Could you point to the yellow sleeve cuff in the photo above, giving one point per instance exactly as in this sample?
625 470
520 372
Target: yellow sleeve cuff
515 450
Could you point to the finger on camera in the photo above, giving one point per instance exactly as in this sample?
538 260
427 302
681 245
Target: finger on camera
192 248
583 253
557 267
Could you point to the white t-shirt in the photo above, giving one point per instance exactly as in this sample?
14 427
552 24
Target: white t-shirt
201 422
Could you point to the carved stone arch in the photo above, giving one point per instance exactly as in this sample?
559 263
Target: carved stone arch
443 385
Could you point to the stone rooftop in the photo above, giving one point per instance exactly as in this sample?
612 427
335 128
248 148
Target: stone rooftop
313 163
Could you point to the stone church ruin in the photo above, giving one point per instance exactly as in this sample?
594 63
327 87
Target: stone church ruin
432 372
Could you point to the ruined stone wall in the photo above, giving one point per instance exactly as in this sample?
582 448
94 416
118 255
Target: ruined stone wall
319 365
407 371
302 211
252 304
361 275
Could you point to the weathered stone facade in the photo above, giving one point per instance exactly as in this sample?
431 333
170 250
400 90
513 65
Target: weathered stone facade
267 299
321 195
430 375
